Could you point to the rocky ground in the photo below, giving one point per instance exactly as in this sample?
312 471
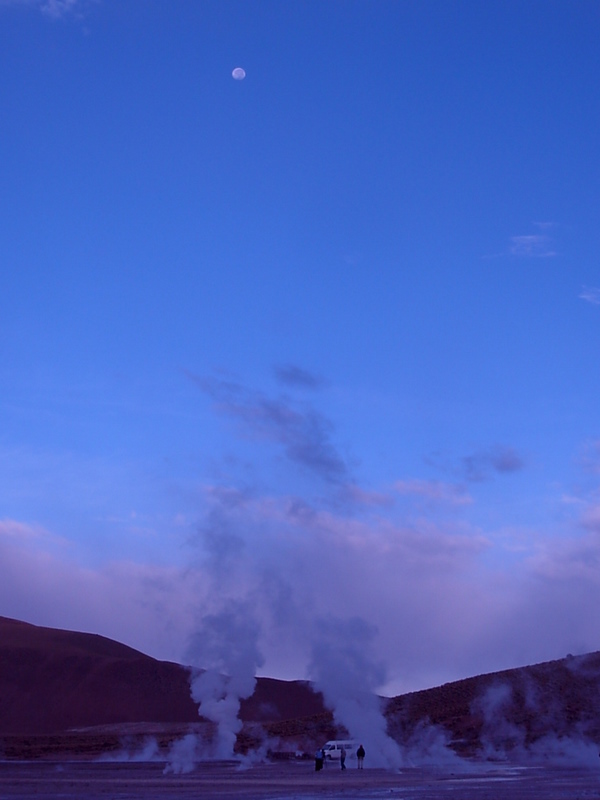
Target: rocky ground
290 781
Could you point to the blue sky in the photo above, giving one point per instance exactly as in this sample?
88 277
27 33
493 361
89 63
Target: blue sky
332 327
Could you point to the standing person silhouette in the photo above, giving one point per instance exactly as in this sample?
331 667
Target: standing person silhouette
319 758
360 756
343 757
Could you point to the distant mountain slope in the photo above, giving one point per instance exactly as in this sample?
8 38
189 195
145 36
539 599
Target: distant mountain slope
16 634
514 708
54 680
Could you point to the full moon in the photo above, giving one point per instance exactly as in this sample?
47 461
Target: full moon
238 74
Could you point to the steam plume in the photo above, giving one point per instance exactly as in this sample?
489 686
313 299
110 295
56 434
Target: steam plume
348 677
227 644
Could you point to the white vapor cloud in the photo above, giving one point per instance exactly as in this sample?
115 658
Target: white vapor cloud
591 294
51 8
535 245
57 8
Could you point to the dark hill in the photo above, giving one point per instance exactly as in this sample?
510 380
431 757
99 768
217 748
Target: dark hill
54 680
511 709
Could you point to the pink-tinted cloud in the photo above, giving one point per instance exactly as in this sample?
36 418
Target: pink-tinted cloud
445 598
441 609
436 491
144 606
353 494
591 519
503 459
482 464
19 530
589 459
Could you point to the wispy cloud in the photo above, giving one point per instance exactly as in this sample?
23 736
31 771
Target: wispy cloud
304 433
435 491
589 457
591 518
57 8
354 495
296 377
591 294
480 465
28 535
532 246
52 8
19 530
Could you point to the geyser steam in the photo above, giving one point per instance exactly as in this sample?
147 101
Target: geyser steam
348 678
227 645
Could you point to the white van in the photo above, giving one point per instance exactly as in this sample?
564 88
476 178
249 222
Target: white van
333 749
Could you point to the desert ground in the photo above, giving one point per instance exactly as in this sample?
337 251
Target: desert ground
290 781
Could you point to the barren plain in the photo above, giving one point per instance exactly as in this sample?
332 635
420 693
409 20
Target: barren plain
289 781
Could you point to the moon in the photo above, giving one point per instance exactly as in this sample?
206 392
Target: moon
238 74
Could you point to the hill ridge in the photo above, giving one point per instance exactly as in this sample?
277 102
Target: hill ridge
54 681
